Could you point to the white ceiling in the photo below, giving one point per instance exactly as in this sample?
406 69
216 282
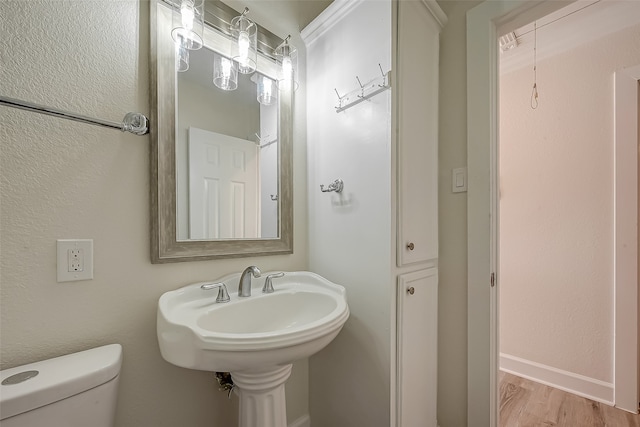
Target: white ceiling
581 22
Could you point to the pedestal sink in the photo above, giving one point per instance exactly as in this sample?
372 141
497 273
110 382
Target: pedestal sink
256 338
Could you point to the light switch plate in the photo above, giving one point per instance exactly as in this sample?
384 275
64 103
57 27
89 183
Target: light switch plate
75 259
459 180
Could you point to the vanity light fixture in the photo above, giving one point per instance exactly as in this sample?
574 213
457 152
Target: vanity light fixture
242 57
244 42
225 72
287 58
188 24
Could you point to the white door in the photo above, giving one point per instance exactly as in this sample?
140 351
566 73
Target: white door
223 186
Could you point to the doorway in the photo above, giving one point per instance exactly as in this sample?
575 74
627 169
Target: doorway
482 23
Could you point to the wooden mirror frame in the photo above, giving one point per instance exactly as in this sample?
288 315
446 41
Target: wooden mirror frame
164 244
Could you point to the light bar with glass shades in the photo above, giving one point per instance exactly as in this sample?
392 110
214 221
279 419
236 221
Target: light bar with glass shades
242 54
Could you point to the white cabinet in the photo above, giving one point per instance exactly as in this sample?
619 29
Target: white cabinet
417 329
416 95
416 57
385 151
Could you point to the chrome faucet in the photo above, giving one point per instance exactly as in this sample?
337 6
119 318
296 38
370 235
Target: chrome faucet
244 287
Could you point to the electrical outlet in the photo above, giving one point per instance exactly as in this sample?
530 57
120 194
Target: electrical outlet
75 259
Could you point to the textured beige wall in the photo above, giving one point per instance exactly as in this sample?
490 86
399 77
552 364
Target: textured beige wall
61 179
452 290
556 208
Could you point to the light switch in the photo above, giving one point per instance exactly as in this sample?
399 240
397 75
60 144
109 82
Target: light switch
459 180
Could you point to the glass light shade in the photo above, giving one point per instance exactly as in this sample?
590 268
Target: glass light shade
225 72
266 90
188 24
244 44
182 58
287 58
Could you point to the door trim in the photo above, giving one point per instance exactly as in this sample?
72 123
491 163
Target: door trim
482 258
626 239
482 143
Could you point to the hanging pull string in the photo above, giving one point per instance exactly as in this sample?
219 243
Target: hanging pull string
534 92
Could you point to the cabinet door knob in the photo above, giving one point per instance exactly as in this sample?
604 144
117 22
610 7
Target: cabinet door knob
411 290
410 246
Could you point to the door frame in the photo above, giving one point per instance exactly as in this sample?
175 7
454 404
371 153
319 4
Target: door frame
626 238
483 22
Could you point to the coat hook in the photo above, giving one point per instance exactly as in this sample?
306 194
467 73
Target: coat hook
384 76
337 186
340 99
361 87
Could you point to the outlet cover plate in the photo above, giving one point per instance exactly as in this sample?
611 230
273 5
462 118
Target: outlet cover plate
64 249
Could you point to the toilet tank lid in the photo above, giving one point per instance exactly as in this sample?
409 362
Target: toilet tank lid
58 378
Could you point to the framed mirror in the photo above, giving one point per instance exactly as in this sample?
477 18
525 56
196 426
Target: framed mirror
221 162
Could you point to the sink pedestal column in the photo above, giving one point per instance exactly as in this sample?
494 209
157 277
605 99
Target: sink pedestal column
262 400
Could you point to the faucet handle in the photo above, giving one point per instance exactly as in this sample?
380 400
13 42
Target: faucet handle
268 286
223 294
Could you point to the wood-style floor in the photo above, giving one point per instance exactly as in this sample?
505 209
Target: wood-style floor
525 403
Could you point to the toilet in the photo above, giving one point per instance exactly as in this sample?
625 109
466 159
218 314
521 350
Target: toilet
75 390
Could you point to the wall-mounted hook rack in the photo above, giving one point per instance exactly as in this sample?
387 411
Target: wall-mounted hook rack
337 186
366 91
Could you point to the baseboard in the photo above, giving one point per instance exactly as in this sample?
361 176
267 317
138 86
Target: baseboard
303 421
581 385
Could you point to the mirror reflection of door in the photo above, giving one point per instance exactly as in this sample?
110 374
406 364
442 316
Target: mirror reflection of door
223 186
231 116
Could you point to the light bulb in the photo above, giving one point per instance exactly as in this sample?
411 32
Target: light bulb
265 90
268 87
225 73
226 68
187 14
243 47
187 25
287 68
182 58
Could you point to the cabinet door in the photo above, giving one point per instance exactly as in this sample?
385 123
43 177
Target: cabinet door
417 142
417 335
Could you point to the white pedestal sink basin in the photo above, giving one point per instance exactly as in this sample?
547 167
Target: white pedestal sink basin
256 338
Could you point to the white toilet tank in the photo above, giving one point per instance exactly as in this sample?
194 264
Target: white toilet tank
76 390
